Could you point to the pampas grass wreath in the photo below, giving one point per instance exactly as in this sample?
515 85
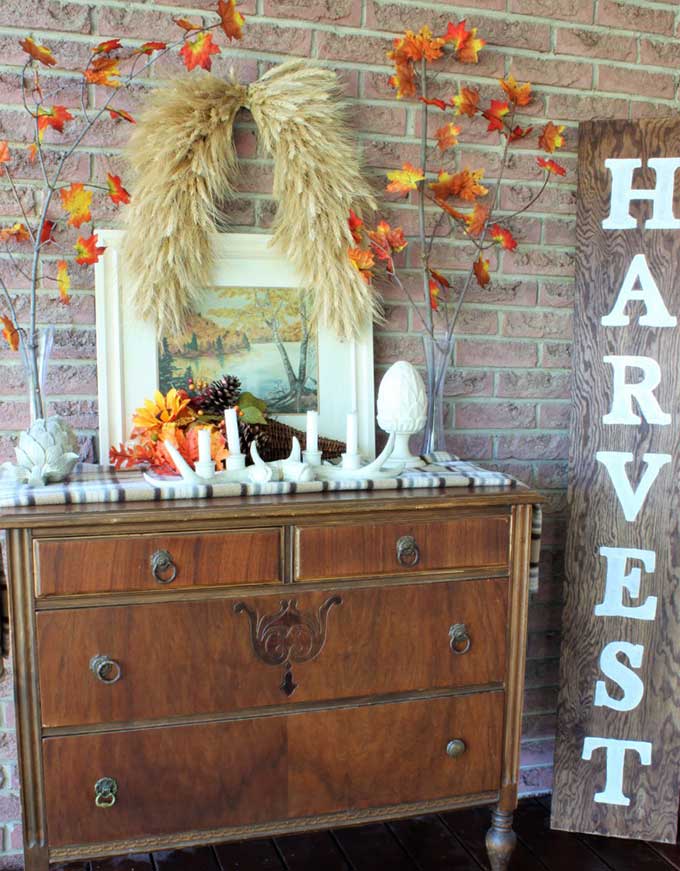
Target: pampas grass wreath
184 162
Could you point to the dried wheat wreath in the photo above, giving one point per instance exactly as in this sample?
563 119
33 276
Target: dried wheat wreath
184 160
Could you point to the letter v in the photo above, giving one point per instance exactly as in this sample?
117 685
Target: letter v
615 462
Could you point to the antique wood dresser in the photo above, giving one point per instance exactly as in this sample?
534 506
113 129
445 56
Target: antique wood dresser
202 671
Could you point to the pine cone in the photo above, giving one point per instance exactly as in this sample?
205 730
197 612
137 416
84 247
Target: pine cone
216 397
253 432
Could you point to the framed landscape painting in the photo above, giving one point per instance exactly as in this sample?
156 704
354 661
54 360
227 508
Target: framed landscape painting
253 322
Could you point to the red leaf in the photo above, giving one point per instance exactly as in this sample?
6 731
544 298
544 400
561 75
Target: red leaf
481 270
87 250
503 236
355 225
196 52
150 47
46 235
38 52
107 47
551 166
497 110
440 104
121 114
232 20
117 192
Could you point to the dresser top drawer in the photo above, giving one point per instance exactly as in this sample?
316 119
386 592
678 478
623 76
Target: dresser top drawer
288 767
356 550
118 564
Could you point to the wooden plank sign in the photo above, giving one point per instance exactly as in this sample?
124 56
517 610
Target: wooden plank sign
617 761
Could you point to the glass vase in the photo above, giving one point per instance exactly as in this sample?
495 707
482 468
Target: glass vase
438 353
35 367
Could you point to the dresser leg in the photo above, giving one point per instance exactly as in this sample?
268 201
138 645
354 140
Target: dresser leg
500 840
35 859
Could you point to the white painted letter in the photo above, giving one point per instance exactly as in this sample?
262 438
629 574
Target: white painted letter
616 752
615 462
657 314
617 581
623 192
642 391
612 667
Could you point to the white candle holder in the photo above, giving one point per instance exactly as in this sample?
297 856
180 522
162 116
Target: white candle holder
312 458
236 462
195 476
371 471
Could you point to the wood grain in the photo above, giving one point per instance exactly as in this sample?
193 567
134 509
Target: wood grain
603 259
197 657
271 768
116 564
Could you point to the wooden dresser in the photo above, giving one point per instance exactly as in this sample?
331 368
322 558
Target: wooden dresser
203 671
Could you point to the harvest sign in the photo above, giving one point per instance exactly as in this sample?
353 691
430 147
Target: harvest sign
618 751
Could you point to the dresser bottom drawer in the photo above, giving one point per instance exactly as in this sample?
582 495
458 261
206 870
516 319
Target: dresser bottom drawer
218 775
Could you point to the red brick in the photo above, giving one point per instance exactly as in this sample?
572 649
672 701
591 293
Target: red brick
474 352
475 321
468 382
495 415
556 294
556 199
523 472
586 107
559 231
352 47
537 753
639 19
541 673
255 177
538 261
537 324
536 384
387 119
389 349
388 153
334 11
470 447
552 476
14 415
74 344
577 10
596 43
566 74
532 447
554 415
556 355
394 17
281 40
657 53
640 82
46 15
650 109
504 291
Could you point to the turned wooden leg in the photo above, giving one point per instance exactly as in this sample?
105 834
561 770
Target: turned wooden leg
35 859
500 840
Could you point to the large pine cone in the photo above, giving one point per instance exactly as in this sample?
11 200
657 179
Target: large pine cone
214 398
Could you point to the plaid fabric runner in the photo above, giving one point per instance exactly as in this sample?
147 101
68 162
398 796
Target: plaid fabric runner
92 484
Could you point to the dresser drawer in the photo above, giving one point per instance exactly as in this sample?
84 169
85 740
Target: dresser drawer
202 657
372 549
117 564
209 776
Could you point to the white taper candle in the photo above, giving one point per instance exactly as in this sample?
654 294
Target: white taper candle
231 422
204 445
312 430
352 433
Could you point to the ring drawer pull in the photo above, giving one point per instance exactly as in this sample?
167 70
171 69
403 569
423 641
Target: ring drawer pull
105 791
163 568
407 551
105 669
459 640
455 748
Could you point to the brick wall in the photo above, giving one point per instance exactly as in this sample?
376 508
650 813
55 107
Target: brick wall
508 394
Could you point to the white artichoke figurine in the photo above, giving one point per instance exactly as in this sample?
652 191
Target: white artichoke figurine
46 453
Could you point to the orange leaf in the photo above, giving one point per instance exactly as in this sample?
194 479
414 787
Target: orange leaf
551 166
435 292
10 333
117 192
54 116
87 250
231 19
476 220
447 136
416 46
107 47
38 52
466 43
76 201
104 71
464 185
121 114
440 104
196 52
63 281
481 270
18 232
454 213
551 138
497 110
185 24
32 152
46 235
518 133
442 280
518 94
386 241
363 261
355 225
466 102
504 237
404 78
404 180
150 47
4 155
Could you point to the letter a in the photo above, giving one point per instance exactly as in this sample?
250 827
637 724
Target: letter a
657 314
615 462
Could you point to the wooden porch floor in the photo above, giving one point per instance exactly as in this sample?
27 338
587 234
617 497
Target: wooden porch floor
442 842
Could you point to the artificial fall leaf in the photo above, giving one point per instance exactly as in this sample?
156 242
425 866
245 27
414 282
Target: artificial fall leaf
385 241
416 46
10 333
442 188
32 152
464 185
63 282
447 136
404 78
440 104
150 47
104 71
476 220
161 410
4 155
87 250
448 208
18 232
47 230
54 117
76 201
551 138
121 115
38 52
363 261
466 44
481 270
117 192
497 110
442 280
355 225
518 133
404 180
107 47
518 94
231 19
503 236
466 102
196 52
551 166
187 25
435 292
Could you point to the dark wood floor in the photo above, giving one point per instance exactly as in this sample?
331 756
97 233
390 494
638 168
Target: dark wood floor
444 842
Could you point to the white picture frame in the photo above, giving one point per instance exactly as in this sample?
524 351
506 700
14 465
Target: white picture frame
127 352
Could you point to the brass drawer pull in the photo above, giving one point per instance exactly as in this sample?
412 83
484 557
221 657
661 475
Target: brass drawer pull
455 748
105 791
105 669
459 640
162 567
407 551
